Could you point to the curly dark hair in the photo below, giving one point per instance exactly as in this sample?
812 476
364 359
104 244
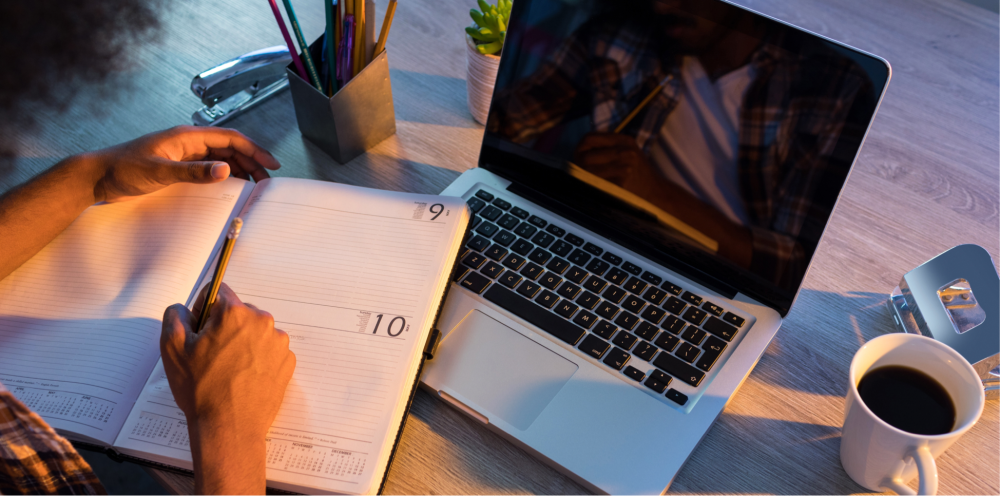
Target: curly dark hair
50 49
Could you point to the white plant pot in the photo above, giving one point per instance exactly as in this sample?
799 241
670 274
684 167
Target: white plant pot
481 74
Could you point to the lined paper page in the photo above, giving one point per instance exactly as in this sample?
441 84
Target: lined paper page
80 321
355 277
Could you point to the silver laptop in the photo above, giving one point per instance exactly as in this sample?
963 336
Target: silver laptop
655 177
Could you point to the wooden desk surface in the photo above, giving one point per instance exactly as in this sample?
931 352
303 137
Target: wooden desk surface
927 179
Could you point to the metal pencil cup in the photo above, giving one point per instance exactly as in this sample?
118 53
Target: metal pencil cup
354 119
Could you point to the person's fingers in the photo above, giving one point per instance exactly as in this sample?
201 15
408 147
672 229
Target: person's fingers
283 337
169 172
178 323
246 166
605 163
193 143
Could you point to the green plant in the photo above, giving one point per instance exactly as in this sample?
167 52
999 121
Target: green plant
491 25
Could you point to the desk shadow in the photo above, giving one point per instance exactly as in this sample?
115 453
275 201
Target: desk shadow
430 99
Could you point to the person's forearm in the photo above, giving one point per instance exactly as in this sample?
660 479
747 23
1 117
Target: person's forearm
34 213
227 460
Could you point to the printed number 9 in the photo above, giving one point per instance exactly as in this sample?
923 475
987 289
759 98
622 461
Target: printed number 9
440 208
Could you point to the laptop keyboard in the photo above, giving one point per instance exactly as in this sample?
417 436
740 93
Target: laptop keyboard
608 308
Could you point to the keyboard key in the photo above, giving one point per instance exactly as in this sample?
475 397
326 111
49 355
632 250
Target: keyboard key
460 272
588 300
694 335
671 288
595 284
513 262
644 351
625 340
496 252
474 260
532 271
478 243
651 313
557 265
594 346
632 268
546 321
547 299
605 329
525 230
550 280
712 308
484 195
633 304
539 256
677 368
617 276
508 221
677 396
635 285
691 298
626 320
611 258
574 239
579 257
522 247
634 373
598 266
475 204
646 331
568 290
491 213
655 295
672 324
674 305
657 382
686 352
616 359
707 360
475 221
592 248
503 204
555 231
537 221
492 269
543 239
584 319
566 309
510 279
720 328
695 315
614 294
667 341
606 310
528 289
487 229
576 274
733 319
519 213
475 282
652 278
714 344
561 248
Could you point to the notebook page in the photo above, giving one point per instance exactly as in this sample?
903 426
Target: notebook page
80 321
355 277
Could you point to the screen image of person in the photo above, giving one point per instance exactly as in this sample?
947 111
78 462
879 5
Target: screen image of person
743 130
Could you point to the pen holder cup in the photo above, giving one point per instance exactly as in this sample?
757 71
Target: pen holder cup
356 118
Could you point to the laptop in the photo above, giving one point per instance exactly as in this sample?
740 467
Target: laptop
654 179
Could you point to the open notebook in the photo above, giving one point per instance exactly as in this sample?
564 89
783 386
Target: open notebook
355 276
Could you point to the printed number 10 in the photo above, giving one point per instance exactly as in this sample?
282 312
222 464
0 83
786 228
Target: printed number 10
402 325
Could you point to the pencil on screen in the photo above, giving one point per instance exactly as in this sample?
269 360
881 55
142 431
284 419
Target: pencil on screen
310 66
220 270
386 24
288 41
645 101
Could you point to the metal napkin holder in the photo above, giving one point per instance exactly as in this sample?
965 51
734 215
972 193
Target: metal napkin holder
954 298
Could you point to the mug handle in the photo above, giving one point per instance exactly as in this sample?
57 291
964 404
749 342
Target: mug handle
926 470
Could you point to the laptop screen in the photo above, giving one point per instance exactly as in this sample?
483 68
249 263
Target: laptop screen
704 136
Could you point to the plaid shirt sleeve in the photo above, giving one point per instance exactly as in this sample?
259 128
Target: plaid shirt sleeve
36 460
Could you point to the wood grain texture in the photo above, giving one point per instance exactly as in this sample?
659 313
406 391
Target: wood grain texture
927 179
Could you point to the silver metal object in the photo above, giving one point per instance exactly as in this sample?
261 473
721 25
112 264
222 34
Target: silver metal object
955 298
239 84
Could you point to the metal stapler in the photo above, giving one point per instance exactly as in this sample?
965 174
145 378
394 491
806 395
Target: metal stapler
239 84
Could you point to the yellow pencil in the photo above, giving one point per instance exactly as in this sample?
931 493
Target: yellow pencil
220 270
645 101
386 24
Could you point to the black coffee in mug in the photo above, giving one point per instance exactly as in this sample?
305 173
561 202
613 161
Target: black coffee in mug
908 399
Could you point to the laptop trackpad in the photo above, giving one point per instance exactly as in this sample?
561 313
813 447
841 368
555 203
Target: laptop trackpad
501 370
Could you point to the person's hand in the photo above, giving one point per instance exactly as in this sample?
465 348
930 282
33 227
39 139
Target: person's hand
180 154
615 158
229 380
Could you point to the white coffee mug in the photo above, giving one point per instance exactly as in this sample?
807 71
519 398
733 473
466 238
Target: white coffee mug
879 456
